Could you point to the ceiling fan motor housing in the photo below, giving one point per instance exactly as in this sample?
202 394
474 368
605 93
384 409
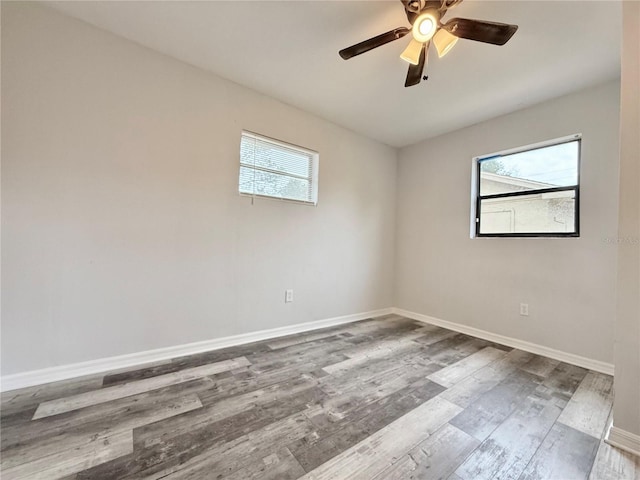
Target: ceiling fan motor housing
413 8
416 5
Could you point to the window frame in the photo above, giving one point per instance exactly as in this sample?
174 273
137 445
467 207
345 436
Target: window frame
315 161
477 161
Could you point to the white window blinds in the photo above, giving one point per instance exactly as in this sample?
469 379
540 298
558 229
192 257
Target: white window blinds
271 168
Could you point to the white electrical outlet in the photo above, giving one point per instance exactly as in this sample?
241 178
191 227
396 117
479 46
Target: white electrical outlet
524 309
288 296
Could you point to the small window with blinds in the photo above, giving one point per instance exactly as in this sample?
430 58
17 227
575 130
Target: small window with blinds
274 169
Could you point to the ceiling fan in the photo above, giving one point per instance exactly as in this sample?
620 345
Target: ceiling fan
426 28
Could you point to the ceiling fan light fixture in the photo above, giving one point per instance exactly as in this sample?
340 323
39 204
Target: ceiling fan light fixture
425 26
411 54
425 16
444 42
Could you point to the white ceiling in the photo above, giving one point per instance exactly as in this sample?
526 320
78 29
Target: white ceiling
289 50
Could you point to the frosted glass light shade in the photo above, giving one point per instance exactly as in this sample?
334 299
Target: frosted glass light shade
444 41
411 54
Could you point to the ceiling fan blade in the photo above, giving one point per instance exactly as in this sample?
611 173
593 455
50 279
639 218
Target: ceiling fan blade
414 75
372 43
480 31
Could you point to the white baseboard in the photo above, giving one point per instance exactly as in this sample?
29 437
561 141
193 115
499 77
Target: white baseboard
92 367
627 441
571 358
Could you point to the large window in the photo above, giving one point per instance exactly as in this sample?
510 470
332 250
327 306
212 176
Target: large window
271 168
531 191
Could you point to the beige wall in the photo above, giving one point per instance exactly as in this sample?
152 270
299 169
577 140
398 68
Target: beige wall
122 228
569 283
626 415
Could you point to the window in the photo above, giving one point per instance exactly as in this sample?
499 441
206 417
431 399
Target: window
531 191
270 168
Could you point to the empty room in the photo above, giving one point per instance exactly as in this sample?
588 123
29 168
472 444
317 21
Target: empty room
320 240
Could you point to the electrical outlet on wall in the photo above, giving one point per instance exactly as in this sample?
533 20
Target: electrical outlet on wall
524 309
288 296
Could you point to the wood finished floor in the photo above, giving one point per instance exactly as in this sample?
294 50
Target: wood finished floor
380 399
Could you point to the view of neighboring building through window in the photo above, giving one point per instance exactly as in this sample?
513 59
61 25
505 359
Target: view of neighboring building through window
533 191
271 168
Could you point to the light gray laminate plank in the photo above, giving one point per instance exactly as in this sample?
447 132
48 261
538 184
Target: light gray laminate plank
349 328
137 368
490 409
316 351
614 464
454 349
452 374
344 400
101 416
231 456
225 408
564 453
254 380
17 400
373 454
386 345
170 450
73 439
482 381
357 420
355 362
611 463
436 335
589 407
377 371
370 326
138 372
514 359
67 404
434 459
508 450
298 339
280 465
371 382
68 462
377 356
466 391
382 349
563 381
541 366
